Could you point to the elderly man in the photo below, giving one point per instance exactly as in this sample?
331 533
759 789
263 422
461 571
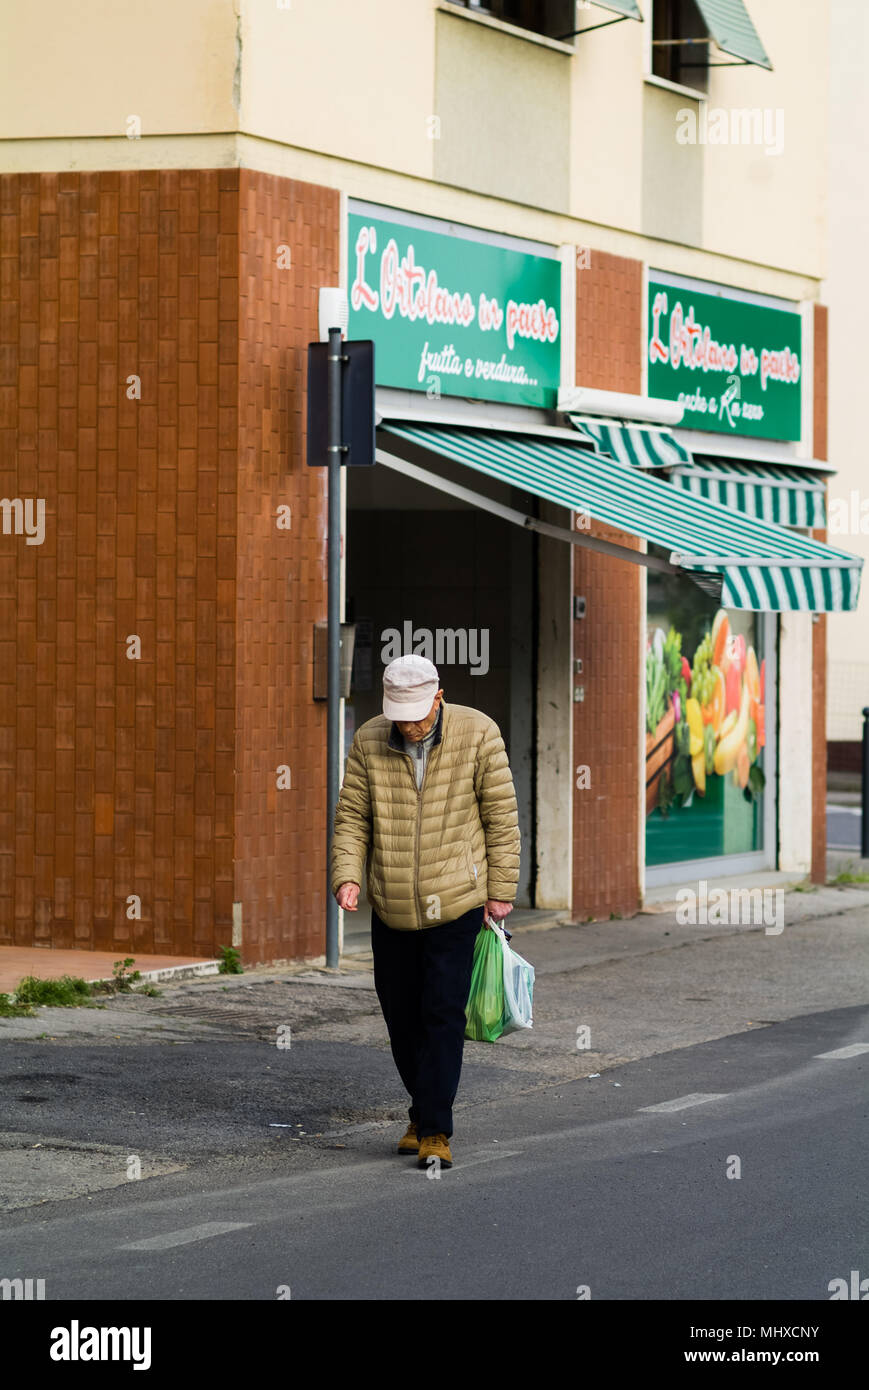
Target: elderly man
428 807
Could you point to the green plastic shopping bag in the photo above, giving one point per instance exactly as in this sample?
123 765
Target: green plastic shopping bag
485 1008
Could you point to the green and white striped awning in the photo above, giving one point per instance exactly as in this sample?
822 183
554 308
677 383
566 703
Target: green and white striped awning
787 496
644 446
742 561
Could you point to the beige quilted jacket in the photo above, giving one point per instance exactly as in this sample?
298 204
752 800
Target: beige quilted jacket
435 853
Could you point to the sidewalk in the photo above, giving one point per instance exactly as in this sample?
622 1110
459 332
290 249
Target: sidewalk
623 935
648 983
283 1064
18 961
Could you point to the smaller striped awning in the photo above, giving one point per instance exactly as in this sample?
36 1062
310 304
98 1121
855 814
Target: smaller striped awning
629 9
787 496
773 492
731 26
741 561
644 446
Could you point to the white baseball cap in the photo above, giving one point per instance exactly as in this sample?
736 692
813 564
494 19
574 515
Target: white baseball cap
410 684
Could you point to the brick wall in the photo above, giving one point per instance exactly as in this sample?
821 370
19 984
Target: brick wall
609 323
819 628
280 845
118 776
606 815
110 766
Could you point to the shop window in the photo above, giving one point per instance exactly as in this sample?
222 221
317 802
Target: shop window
680 44
553 18
706 725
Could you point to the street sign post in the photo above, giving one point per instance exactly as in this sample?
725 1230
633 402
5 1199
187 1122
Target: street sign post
355 388
341 429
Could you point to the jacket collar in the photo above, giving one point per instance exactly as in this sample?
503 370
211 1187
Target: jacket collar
396 741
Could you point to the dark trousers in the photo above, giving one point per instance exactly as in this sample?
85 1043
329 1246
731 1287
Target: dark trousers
423 979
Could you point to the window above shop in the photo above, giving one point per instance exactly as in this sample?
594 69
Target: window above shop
550 18
680 44
688 37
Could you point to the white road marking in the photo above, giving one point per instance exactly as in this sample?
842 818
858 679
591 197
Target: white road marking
192 1233
683 1102
855 1050
470 1162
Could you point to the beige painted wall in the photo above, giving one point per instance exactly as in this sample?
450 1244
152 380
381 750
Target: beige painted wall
81 69
606 147
673 174
348 77
344 93
795 741
555 778
504 105
732 199
845 292
770 208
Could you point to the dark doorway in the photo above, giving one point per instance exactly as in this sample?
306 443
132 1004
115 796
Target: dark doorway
428 572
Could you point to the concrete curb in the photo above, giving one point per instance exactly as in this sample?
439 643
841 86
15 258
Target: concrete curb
170 972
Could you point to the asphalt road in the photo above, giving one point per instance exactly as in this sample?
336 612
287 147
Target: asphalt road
557 1188
844 826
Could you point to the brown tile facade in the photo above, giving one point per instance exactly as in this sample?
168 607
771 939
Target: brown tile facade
606 815
606 733
153 341
609 323
151 362
289 247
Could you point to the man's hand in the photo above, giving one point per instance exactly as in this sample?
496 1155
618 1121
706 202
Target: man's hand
497 910
348 897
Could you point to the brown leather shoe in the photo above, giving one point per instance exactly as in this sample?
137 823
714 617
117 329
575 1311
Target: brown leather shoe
434 1146
409 1142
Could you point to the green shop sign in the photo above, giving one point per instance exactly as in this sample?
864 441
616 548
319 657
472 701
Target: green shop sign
454 316
735 367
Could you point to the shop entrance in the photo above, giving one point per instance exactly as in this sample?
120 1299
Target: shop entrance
429 572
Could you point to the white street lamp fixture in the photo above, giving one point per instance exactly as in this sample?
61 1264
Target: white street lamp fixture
333 312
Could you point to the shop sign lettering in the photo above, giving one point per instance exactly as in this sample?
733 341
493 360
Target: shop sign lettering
734 366
453 315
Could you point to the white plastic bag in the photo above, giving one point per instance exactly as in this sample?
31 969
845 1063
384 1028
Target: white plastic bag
518 985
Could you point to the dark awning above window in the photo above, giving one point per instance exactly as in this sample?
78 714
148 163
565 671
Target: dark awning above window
629 8
729 23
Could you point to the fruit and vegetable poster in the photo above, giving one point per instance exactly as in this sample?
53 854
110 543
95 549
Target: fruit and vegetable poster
705 734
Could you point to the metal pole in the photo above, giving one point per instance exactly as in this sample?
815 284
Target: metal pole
334 612
864 849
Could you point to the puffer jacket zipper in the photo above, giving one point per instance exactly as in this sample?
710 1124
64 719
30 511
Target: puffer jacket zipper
419 791
428 762
403 754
